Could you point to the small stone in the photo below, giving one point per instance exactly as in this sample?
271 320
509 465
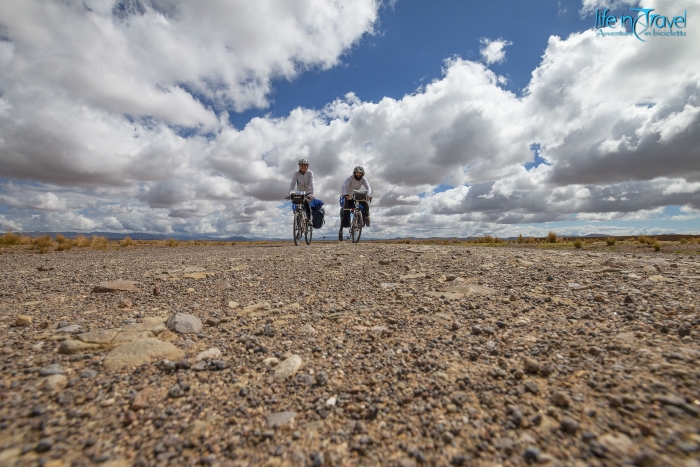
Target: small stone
156 290
200 366
208 354
175 391
561 399
531 454
629 299
125 304
531 387
477 330
55 382
568 425
141 399
44 445
68 329
307 330
321 378
518 374
23 320
278 419
53 369
233 304
595 351
288 368
683 331
531 365
184 323
213 322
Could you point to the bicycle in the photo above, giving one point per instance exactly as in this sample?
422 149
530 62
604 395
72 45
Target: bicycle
301 224
358 220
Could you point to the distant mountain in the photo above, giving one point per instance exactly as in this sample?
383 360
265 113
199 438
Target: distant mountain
145 236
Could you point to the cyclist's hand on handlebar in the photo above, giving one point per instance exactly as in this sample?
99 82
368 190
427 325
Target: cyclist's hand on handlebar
288 197
369 199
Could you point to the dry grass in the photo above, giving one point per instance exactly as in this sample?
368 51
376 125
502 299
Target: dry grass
127 241
172 242
610 241
683 241
98 243
10 238
657 246
43 243
81 241
551 237
578 244
643 239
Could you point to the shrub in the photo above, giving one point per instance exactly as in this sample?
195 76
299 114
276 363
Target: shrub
642 239
172 242
683 241
99 243
521 239
43 243
551 237
578 244
82 241
127 241
610 241
657 246
10 239
64 246
60 239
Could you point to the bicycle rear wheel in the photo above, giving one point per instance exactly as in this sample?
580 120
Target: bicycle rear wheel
296 228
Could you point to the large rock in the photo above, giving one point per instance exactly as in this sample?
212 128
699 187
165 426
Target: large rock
101 337
184 323
141 351
117 286
288 368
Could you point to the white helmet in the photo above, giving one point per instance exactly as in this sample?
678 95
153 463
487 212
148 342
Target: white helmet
303 162
360 169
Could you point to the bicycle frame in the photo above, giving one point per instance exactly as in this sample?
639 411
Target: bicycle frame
301 223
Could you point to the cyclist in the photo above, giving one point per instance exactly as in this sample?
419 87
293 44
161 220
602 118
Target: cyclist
356 181
303 180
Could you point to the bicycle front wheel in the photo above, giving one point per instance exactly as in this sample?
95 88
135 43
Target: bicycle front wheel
356 227
308 231
296 228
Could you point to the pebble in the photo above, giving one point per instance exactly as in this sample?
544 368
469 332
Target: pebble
288 368
53 369
561 399
208 354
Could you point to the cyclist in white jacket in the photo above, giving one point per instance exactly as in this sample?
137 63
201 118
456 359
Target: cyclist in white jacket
356 181
303 180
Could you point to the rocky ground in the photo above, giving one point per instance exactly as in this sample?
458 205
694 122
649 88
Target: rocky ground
342 354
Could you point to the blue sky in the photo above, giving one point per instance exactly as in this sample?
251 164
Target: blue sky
412 42
471 117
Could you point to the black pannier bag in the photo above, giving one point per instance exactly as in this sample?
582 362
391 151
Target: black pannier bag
317 217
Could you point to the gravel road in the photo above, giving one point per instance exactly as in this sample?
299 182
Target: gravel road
341 354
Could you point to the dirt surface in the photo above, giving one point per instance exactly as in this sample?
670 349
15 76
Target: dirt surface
342 354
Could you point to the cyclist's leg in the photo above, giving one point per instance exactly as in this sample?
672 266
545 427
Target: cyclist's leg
365 206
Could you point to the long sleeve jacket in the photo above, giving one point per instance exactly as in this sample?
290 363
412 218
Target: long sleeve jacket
303 182
352 184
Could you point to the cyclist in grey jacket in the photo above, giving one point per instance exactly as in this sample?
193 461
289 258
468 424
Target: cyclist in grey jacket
303 180
356 181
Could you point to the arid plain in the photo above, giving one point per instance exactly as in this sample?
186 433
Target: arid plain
349 354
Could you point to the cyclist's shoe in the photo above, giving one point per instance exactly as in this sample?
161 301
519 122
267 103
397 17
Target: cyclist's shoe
367 222
340 236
